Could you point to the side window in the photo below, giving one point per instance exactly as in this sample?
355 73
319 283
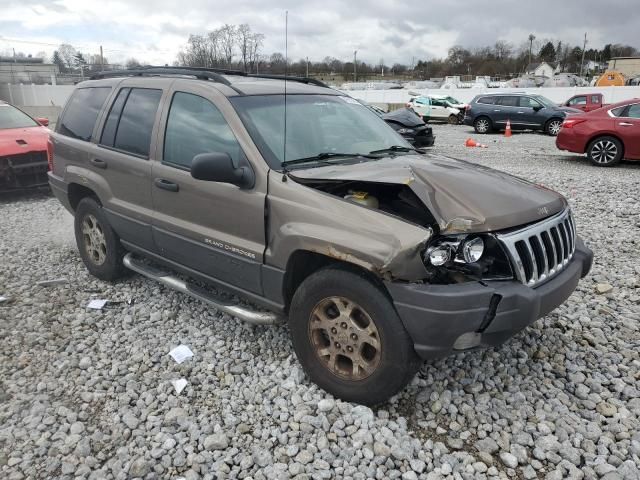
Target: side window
528 102
578 101
487 100
134 128
111 125
511 101
617 112
82 111
194 126
595 99
634 111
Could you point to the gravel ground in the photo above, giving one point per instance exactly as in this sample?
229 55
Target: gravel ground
88 394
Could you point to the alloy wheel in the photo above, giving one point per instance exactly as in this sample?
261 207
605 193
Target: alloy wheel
95 242
482 125
345 338
554 127
604 151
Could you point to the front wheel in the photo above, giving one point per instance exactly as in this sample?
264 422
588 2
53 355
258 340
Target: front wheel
97 242
605 151
553 127
482 125
349 338
453 120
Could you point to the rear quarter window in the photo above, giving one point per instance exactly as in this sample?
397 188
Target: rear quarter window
80 114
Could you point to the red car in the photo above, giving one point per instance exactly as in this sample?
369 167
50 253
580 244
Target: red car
586 102
606 135
23 149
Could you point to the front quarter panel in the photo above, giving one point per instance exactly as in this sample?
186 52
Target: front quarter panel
302 218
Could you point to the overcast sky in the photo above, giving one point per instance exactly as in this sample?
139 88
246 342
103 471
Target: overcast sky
155 30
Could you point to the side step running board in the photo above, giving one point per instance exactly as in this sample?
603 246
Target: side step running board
169 280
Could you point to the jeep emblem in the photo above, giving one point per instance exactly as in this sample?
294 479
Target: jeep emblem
543 211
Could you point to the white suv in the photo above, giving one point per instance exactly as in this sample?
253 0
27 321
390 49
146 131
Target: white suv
438 107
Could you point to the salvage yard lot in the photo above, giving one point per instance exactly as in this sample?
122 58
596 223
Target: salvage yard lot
88 393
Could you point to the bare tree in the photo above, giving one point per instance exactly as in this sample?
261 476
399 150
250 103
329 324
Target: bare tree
67 53
228 37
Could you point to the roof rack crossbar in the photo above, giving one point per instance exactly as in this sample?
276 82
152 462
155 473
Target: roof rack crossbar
307 80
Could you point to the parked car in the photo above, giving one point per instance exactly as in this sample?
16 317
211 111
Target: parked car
379 254
586 102
411 127
606 135
407 123
488 112
430 108
23 149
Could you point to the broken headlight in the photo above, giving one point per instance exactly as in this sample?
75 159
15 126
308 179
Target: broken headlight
405 130
475 256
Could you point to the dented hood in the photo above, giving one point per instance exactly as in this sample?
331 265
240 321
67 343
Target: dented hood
14 141
461 196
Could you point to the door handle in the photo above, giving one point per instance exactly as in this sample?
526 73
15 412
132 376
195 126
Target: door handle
96 162
520 112
166 185
625 124
497 110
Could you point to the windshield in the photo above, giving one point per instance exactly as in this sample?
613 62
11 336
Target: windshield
11 117
316 125
544 101
453 101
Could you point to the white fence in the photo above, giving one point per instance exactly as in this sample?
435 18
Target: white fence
56 95
36 95
555 94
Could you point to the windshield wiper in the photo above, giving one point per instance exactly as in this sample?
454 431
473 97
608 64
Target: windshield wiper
395 148
324 156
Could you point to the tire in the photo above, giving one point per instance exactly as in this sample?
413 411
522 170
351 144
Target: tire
553 127
605 151
381 370
482 125
98 244
453 120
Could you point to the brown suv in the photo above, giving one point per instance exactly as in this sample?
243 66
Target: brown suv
379 255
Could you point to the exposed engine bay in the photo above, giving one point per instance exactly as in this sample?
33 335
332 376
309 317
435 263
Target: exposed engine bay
394 199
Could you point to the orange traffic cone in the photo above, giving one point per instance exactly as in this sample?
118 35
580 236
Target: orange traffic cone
507 131
472 143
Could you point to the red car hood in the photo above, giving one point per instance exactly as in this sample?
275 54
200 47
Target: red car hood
14 141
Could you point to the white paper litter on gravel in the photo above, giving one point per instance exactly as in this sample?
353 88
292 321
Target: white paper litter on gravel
179 384
181 353
96 304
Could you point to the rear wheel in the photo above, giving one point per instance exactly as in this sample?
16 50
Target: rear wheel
553 126
482 125
349 338
98 244
605 151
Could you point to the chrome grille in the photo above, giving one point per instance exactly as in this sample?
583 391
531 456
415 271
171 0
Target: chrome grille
540 251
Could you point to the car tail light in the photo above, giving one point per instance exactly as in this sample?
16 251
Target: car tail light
50 153
572 122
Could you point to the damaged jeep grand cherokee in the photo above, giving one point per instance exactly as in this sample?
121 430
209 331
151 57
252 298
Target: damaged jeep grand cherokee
301 201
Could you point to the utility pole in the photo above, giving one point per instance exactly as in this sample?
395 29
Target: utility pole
532 37
584 47
355 72
101 60
307 67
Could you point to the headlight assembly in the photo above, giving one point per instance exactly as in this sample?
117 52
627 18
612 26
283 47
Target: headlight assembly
462 249
406 130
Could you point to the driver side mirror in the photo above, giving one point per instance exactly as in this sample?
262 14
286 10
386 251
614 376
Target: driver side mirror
43 121
218 167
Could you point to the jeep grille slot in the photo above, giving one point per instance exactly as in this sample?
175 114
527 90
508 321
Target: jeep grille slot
540 251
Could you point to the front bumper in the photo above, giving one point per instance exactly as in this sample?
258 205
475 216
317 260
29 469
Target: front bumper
443 319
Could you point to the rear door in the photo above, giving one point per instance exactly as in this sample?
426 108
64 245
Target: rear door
506 108
124 154
216 229
628 127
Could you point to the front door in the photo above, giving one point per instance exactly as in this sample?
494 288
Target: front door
628 127
530 113
216 229
439 110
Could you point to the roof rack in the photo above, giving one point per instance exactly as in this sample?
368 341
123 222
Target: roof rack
201 73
